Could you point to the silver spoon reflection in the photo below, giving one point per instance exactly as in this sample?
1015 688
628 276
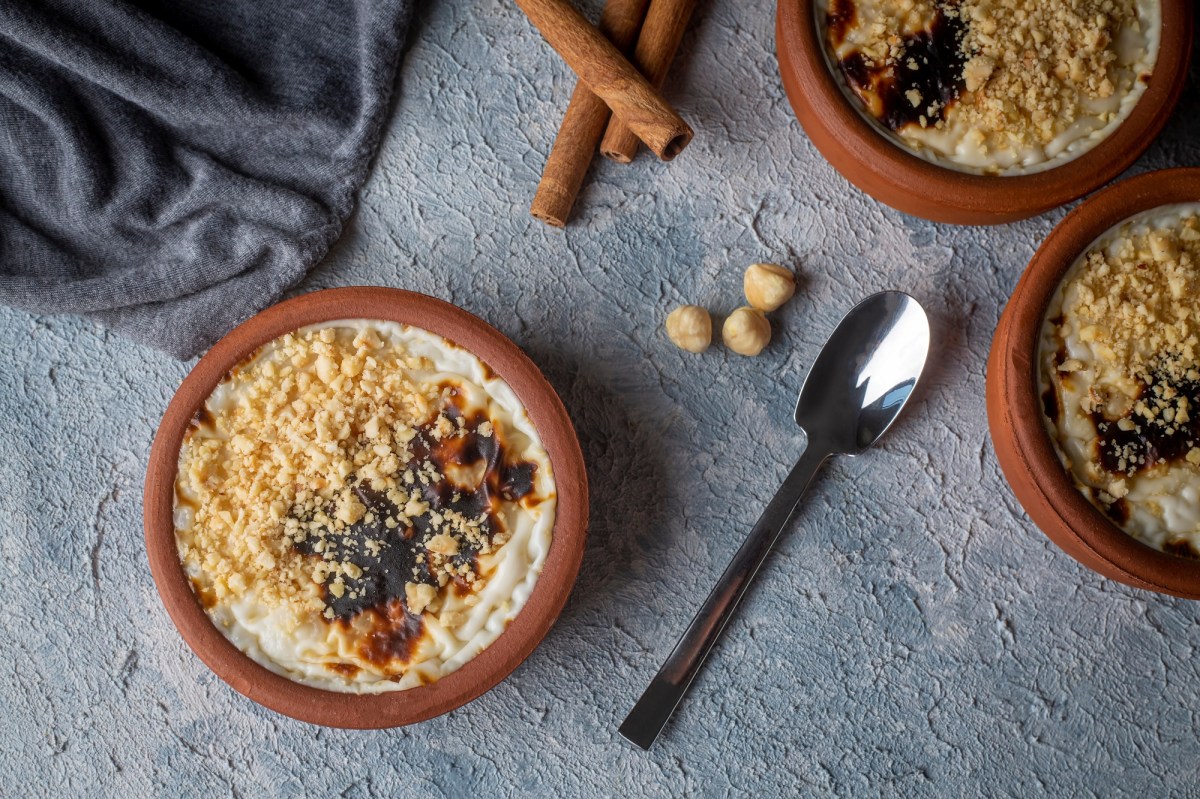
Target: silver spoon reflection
856 388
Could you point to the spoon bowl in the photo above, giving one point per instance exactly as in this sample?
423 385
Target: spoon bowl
865 373
857 386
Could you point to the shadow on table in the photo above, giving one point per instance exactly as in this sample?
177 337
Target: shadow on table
1177 144
626 468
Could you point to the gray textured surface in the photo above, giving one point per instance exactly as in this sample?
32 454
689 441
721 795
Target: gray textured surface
913 635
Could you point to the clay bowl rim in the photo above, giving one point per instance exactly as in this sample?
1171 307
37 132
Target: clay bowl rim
1069 239
488 668
886 171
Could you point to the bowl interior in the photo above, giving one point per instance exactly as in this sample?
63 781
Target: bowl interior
1029 305
479 674
889 172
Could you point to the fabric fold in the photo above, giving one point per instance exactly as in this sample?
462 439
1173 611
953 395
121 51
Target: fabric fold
168 169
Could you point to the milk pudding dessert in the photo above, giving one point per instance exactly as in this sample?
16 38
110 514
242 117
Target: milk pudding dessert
995 87
1119 373
363 506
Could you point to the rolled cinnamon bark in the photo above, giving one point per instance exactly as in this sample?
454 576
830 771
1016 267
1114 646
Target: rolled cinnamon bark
609 75
583 124
661 34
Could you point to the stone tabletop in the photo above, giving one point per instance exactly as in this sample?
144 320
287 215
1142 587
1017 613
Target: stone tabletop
913 635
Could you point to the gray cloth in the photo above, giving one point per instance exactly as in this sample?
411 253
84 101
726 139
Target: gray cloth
170 167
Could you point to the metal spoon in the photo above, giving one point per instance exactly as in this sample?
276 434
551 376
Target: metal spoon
855 389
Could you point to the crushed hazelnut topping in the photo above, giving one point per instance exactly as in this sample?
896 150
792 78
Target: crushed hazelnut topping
1120 370
1034 67
328 445
345 496
1134 303
419 596
1011 75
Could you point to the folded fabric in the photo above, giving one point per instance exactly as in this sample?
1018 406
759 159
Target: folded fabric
169 168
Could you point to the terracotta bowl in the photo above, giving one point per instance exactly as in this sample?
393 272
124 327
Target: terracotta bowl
1014 409
477 675
906 182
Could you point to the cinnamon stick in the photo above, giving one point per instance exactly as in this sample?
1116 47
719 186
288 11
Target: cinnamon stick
609 75
661 34
583 124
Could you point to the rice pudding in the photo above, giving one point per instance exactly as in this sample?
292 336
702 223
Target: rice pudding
997 87
363 506
1119 374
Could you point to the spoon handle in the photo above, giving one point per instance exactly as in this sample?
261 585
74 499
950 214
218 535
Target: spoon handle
659 700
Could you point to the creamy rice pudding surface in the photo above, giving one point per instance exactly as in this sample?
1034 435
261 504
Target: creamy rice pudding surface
1119 372
993 86
363 506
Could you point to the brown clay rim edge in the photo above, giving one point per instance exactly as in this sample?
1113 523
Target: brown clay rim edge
1021 475
881 167
1058 252
478 675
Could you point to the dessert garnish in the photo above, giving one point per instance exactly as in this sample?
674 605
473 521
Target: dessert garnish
362 506
1119 369
994 86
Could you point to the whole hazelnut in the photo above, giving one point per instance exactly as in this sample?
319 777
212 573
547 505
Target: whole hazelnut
690 327
768 286
746 331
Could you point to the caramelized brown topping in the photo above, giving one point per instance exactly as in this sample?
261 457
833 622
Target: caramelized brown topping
333 481
1016 72
390 548
919 84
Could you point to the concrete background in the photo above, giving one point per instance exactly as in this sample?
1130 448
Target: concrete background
914 634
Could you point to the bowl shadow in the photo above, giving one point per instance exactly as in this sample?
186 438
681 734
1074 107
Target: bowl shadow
626 475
